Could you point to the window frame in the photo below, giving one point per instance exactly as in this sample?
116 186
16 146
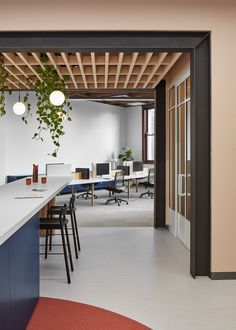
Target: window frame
145 110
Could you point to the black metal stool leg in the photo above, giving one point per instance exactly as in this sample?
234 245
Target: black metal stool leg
50 240
46 244
69 249
76 230
65 255
74 234
50 236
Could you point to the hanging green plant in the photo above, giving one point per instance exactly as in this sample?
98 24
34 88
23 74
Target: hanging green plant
3 88
28 108
50 117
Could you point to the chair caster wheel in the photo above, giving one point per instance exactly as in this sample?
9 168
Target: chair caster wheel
127 203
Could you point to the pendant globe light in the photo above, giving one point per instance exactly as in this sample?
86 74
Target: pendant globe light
19 107
57 98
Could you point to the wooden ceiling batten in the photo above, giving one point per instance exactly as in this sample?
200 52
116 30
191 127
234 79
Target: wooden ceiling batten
52 59
132 64
37 58
106 68
144 66
69 69
78 56
16 77
174 59
23 57
11 59
156 67
121 55
12 82
94 69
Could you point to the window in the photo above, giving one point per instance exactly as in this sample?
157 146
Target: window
148 135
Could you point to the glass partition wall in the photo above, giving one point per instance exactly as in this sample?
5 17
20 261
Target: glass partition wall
179 159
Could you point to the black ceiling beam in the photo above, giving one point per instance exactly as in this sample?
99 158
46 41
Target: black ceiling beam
102 41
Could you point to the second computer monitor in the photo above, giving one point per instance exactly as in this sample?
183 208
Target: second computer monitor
137 166
102 169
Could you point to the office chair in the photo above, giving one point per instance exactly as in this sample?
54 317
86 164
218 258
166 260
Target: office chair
85 175
149 184
117 187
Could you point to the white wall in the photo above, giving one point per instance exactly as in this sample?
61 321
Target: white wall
95 133
134 130
2 150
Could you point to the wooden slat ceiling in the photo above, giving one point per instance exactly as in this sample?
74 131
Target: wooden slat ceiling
93 70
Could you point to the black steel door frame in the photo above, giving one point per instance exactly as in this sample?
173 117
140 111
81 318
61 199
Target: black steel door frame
198 44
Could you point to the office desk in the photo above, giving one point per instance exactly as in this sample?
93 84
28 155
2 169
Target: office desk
19 249
93 181
135 176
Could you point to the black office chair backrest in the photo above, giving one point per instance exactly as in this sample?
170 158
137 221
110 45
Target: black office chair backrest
119 181
151 175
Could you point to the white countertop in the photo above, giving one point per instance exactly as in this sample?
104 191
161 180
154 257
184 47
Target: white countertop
16 212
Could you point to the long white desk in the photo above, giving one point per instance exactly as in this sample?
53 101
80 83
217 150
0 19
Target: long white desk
16 212
19 249
92 182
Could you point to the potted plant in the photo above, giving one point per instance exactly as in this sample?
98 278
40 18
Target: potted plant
127 157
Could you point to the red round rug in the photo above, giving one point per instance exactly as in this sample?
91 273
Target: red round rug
58 314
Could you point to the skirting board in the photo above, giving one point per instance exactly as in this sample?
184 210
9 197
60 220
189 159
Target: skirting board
223 276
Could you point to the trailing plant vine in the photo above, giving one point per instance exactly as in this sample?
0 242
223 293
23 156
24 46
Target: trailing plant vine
49 117
3 88
28 108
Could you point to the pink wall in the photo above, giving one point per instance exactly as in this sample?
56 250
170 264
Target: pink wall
218 16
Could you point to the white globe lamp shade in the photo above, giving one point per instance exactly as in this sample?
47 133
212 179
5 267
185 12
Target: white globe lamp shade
19 108
57 98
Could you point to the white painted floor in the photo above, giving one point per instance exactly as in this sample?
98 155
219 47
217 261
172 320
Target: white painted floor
142 273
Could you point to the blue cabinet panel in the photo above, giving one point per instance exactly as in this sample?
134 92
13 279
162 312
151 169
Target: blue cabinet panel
19 276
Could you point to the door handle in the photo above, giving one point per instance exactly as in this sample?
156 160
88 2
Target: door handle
180 184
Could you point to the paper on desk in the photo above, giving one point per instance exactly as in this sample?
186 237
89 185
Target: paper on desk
30 195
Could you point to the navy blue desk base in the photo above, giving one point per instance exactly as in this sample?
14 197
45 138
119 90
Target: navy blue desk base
19 276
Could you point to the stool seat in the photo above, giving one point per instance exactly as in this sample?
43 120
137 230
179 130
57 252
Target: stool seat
52 223
56 209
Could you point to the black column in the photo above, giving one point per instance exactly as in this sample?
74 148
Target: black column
160 155
200 159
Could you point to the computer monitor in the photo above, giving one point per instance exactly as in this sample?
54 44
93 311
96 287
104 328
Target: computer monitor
58 169
137 166
101 169
84 172
125 169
